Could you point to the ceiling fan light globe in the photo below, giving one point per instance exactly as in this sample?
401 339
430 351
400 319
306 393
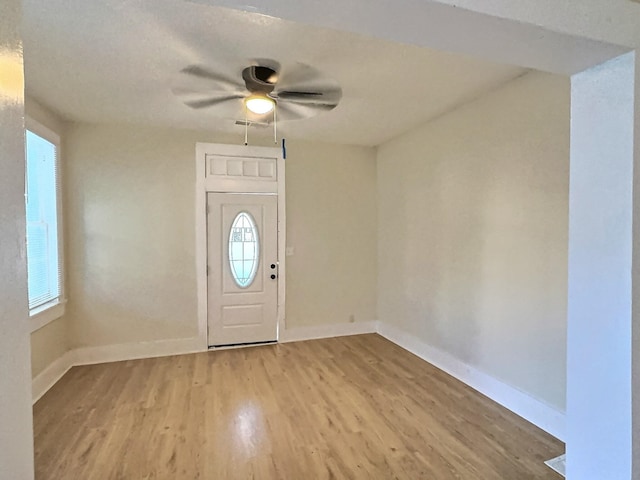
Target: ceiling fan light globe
259 104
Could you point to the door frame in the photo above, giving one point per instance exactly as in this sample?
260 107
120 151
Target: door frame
238 177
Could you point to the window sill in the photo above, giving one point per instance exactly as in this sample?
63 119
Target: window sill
46 314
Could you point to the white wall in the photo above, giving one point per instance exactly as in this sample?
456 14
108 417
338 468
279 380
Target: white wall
130 217
600 265
473 216
16 440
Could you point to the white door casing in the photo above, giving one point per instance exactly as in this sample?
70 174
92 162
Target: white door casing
236 169
238 312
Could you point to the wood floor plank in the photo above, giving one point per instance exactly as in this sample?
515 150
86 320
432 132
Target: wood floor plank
343 408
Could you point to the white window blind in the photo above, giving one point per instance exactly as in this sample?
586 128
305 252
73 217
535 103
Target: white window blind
43 258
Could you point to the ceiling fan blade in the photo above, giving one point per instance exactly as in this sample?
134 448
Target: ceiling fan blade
331 96
291 110
202 72
290 94
310 102
191 93
210 102
299 74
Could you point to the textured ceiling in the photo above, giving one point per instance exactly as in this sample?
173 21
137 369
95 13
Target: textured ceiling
115 61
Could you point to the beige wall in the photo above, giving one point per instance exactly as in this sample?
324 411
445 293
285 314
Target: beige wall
48 344
473 219
131 233
51 341
332 225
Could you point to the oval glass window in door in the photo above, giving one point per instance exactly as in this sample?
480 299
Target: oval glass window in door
244 249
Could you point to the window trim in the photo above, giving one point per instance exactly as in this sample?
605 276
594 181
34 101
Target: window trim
44 314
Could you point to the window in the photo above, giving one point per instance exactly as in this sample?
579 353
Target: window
244 252
44 261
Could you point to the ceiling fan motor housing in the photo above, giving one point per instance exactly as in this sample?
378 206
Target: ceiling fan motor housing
259 79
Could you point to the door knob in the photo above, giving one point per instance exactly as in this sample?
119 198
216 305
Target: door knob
273 266
273 276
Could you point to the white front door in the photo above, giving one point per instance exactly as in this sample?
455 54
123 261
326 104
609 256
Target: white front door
242 253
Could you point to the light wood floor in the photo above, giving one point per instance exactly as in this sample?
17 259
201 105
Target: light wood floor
343 408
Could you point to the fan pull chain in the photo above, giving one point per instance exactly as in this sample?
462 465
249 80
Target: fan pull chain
246 128
275 125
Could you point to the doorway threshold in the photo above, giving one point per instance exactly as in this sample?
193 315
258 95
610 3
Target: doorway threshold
241 345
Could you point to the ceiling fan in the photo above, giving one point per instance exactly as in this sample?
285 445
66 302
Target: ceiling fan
296 91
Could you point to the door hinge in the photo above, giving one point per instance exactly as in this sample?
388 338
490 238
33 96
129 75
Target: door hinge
207 270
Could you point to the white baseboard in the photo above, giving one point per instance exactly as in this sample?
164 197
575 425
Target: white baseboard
42 382
133 351
532 409
46 379
298 334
